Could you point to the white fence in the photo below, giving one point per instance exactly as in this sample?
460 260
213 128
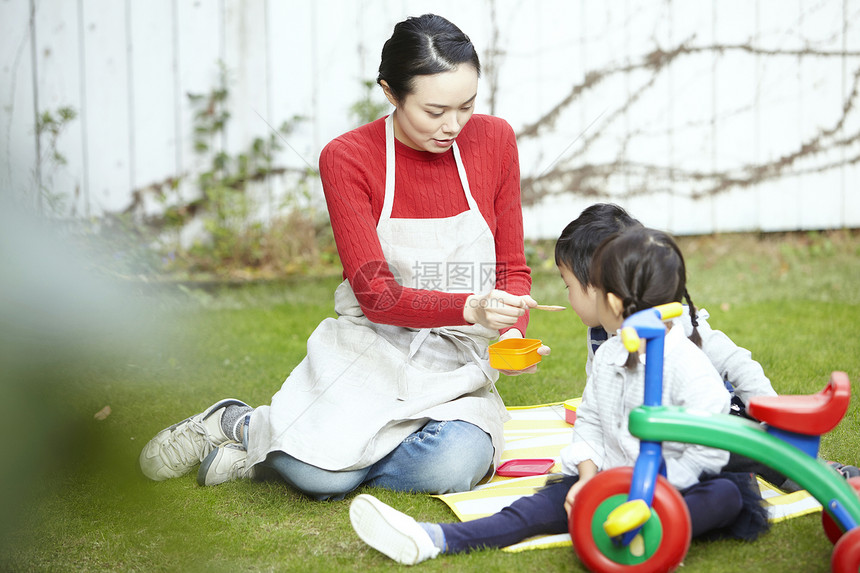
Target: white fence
699 116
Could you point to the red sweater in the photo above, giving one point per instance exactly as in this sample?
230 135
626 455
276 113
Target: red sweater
352 169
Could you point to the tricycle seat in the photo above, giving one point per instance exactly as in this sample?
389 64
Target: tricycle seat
813 415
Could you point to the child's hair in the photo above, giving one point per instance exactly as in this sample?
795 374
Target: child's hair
577 243
644 268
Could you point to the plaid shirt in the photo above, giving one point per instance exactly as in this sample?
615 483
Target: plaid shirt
612 391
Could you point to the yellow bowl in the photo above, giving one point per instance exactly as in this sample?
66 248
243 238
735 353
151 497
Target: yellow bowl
514 353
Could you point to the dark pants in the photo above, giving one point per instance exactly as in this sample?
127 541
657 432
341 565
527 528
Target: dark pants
743 464
713 504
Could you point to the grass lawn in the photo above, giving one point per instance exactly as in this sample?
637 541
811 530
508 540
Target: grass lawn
73 499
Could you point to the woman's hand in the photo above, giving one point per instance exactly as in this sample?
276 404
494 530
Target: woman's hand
543 351
496 309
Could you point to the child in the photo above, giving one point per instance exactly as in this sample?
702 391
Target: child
633 270
742 376
574 251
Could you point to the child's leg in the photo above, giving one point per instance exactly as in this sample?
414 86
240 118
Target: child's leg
391 532
742 464
728 505
537 514
713 504
401 538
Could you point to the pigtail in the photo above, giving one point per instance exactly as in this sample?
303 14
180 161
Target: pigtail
632 361
694 319
631 306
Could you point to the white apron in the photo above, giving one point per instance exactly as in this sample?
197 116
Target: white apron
363 387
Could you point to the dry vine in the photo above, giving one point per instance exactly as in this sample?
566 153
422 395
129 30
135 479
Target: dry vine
576 174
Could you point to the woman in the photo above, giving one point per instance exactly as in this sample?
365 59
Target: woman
395 392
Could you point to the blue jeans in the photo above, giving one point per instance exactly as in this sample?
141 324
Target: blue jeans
441 457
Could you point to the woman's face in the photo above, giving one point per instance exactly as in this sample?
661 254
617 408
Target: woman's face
431 117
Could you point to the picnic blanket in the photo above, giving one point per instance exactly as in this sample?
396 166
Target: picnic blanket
541 432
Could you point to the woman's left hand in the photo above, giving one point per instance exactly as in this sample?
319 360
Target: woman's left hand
543 351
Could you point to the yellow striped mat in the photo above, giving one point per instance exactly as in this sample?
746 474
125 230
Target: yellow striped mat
541 432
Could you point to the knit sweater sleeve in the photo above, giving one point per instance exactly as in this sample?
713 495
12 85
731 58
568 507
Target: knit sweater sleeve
512 273
352 169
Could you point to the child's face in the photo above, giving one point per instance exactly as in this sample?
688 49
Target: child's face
583 301
609 311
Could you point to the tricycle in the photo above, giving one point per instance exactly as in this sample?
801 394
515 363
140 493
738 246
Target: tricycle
632 519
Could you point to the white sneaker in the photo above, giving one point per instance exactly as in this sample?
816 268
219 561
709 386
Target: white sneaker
224 463
390 532
174 451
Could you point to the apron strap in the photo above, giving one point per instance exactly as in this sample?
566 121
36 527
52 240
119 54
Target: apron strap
388 201
464 342
461 169
417 342
421 337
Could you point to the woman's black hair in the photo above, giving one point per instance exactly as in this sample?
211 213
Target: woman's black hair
575 247
644 268
423 45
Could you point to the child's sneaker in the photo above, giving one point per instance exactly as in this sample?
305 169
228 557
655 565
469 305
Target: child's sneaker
390 532
789 486
174 451
847 472
850 471
224 463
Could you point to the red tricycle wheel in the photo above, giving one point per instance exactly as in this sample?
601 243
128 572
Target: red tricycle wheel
846 553
666 535
831 529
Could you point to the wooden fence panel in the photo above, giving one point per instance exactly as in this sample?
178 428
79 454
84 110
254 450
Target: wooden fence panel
106 119
17 116
718 115
154 131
